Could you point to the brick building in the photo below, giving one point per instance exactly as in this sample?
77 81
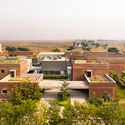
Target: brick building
8 82
90 69
112 61
15 66
21 53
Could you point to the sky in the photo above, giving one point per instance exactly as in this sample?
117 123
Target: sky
62 19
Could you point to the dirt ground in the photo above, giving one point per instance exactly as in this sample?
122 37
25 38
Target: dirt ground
48 46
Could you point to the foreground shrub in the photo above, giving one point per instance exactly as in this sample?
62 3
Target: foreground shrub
24 91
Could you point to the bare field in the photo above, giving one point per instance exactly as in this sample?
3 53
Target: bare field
38 46
44 46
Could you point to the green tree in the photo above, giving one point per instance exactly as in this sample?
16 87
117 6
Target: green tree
24 91
64 90
12 114
11 49
53 112
56 50
71 48
113 49
23 49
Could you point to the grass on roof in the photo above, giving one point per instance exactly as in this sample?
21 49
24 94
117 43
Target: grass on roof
97 79
22 79
9 60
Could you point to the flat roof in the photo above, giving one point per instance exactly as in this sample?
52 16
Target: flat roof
11 60
52 59
58 84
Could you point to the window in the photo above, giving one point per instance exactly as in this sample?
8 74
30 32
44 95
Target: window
2 71
4 91
89 73
12 73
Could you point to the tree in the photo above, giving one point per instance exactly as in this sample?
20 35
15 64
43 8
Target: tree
86 49
11 49
24 91
23 49
53 112
56 50
14 114
113 49
71 48
64 90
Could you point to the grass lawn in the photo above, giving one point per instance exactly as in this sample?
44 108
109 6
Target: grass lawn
60 100
120 94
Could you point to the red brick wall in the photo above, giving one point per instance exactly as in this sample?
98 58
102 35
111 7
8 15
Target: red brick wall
7 85
97 69
24 67
8 67
69 54
116 64
103 54
21 68
25 53
1 53
100 88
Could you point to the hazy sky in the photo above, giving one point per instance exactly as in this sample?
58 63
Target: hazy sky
62 19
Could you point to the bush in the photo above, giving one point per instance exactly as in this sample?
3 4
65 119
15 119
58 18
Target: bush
71 48
60 96
55 77
74 58
113 49
56 50
25 91
63 103
106 97
96 101
114 75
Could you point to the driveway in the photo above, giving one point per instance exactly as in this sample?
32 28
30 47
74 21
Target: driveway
77 95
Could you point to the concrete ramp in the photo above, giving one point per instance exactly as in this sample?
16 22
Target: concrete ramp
46 84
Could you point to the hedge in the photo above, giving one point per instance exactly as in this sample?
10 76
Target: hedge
55 77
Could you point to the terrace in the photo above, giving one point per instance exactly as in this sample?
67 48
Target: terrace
11 60
21 79
87 62
98 79
35 78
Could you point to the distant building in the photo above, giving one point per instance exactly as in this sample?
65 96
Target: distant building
0 49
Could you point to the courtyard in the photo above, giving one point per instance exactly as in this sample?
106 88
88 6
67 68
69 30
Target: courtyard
75 95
